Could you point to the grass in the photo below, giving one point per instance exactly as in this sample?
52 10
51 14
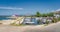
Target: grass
13 24
45 24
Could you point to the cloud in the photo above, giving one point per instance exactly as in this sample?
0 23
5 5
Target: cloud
58 10
12 8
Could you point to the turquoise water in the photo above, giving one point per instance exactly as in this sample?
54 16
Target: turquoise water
4 18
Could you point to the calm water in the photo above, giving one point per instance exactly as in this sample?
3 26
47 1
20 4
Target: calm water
4 18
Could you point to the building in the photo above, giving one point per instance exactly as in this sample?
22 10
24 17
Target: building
29 20
44 19
57 14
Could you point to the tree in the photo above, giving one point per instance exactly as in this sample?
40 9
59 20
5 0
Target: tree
43 15
47 14
50 14
38 14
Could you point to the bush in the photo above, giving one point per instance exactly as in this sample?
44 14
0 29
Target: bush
47 22
54 20
59 19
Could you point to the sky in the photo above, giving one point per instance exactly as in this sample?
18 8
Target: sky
28 7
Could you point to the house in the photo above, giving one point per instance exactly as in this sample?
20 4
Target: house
44 19
29 20
57 14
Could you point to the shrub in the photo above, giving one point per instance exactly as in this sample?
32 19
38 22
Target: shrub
59 19
47 22
54 20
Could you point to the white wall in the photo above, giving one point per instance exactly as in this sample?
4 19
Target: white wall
56 15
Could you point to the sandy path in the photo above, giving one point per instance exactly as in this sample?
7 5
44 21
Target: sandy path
55 27
7 28
38 28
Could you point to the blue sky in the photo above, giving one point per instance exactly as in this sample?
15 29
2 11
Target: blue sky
28 7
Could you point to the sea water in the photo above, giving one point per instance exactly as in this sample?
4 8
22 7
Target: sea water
4 18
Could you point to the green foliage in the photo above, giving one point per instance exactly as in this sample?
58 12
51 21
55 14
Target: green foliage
54 20
47 14
59 19
47 22
43 15
38 14
13 24
50 14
